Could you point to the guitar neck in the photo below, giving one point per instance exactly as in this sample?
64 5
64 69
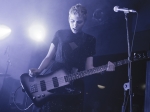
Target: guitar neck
94 70
121 62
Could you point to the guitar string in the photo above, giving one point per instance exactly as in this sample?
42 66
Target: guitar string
81 74
50 83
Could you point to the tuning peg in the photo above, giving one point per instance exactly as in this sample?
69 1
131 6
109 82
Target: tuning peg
134 55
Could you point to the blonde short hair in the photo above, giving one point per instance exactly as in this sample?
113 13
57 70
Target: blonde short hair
79 10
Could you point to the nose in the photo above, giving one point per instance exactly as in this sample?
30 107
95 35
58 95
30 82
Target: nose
75 24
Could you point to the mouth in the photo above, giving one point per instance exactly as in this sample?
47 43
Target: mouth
74 29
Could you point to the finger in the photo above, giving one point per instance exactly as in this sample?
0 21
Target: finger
110 67
31 73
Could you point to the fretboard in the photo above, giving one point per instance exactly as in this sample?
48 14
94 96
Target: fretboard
94 70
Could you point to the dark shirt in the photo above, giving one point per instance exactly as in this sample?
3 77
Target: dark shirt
73 49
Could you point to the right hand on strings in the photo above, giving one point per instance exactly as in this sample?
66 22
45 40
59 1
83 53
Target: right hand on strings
110 67
33 72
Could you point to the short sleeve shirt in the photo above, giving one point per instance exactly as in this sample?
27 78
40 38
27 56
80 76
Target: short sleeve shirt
73 49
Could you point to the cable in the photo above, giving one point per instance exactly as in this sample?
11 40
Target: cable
15 101
126 103
134 31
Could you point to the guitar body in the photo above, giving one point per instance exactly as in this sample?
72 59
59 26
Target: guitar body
42 88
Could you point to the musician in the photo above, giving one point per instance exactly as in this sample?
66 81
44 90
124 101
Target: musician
73 50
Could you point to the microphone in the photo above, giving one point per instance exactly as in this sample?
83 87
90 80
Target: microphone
126 10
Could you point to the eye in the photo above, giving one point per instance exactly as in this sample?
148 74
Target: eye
71 21
79 22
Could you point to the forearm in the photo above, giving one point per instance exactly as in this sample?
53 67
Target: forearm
46 61
44 64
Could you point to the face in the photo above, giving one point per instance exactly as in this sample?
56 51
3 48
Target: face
76 23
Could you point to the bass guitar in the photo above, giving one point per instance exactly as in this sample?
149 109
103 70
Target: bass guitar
42 88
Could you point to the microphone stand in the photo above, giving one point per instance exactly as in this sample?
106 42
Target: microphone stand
129 62
8 63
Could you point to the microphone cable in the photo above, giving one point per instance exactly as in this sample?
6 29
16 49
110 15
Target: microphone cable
134 32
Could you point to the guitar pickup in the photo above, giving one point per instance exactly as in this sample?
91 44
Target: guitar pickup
33 88
55 82
43 85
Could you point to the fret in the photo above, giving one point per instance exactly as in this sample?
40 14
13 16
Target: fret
105 67
73 76
119 63
82 73
89 71
99 69
124 61
86 72
115 63
77 75
94 70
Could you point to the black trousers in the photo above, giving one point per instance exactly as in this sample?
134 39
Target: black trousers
64 104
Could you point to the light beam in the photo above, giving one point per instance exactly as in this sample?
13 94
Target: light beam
37 32
4 31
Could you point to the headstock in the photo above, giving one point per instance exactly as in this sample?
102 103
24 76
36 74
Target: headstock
140 55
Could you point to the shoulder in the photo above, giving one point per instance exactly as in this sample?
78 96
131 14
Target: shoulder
63 32
89 37
62 35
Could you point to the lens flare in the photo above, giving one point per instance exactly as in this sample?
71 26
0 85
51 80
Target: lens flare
37 32
4 32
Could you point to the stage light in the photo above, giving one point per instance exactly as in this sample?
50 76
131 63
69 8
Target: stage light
37 32
4 32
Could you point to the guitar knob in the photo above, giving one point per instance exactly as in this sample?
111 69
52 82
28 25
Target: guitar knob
139 55
34 97
144 55
134 55
38 96
43 95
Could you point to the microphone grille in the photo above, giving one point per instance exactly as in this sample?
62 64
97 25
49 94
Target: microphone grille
116 8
